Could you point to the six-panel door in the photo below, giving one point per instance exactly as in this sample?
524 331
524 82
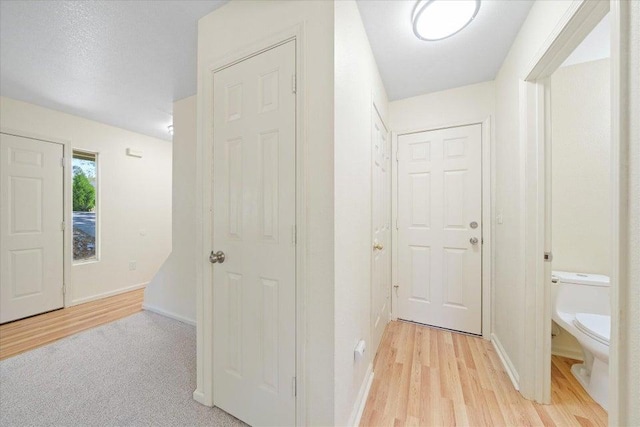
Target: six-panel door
440 229
254 185
31 234
381 229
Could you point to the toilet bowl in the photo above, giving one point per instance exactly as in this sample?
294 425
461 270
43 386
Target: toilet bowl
581 306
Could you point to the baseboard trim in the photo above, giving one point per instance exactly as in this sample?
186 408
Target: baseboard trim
361 401
506 362
199 397
108 294
567 352
169 314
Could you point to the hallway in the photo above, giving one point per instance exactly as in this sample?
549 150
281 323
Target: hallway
426 376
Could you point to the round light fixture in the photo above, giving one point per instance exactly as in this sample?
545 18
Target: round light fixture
438 19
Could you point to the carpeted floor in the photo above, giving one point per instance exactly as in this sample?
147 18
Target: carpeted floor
137 371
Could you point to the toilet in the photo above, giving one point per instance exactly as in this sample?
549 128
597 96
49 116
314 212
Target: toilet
581 306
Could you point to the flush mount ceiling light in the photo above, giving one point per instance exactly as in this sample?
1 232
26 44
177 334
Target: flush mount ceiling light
438 19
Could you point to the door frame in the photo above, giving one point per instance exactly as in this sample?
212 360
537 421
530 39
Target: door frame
67 215
580 18
488 183
204 242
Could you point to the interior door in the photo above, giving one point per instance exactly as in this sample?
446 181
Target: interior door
254 225
381 228
440 228
31 232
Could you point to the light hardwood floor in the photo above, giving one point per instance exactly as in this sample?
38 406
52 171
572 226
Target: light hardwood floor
33 332
429 377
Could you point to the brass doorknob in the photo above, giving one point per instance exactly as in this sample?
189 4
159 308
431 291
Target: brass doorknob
378 246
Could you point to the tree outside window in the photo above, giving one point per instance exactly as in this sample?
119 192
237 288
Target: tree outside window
84 206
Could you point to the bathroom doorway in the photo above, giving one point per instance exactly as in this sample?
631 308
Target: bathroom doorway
580 214
536 139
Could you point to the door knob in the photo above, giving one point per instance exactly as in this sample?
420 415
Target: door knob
216 257
473 240
378 246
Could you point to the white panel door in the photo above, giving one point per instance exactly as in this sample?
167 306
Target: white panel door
440 228
381 229
254 225
31 235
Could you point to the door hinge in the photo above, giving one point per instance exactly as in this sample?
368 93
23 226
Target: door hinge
62 161
294 386
294 234
62 226
548 257
64 289
294 84
398 156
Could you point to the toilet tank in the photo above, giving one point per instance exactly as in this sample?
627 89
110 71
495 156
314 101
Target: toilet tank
581 293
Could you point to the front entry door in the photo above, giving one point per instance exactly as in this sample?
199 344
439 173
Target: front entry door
381 222
31 223
440 228
254 196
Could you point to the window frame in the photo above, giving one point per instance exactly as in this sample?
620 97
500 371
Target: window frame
95 156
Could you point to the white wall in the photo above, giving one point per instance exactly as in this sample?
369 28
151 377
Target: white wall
581 173
467 104
357 86
509 265
172 291
597 45
233 28
134 196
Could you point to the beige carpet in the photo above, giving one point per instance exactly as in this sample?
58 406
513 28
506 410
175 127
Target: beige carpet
138 371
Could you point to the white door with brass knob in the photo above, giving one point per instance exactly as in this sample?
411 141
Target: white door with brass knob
440 229
381 228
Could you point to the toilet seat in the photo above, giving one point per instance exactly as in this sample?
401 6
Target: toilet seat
597 326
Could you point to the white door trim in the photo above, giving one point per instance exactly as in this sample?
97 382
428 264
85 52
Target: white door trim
204 241
488 181
67 255
581 17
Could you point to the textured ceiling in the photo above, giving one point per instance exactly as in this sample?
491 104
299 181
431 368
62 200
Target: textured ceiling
124 62
118 62
411 67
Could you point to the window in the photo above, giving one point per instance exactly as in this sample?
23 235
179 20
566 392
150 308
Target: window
85 209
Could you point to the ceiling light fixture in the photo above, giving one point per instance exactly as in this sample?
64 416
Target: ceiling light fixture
170 129
439 19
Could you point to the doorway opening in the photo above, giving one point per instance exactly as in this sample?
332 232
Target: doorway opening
570 301
580 218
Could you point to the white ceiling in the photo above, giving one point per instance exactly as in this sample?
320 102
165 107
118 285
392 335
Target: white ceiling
597 45
410 67
118 62
124 62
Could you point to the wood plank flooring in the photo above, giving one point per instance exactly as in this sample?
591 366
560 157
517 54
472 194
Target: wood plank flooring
429 377
33 332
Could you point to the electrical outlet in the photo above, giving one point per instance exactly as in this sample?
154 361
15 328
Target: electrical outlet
133 265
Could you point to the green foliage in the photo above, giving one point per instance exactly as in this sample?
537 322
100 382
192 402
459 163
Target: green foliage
84 195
